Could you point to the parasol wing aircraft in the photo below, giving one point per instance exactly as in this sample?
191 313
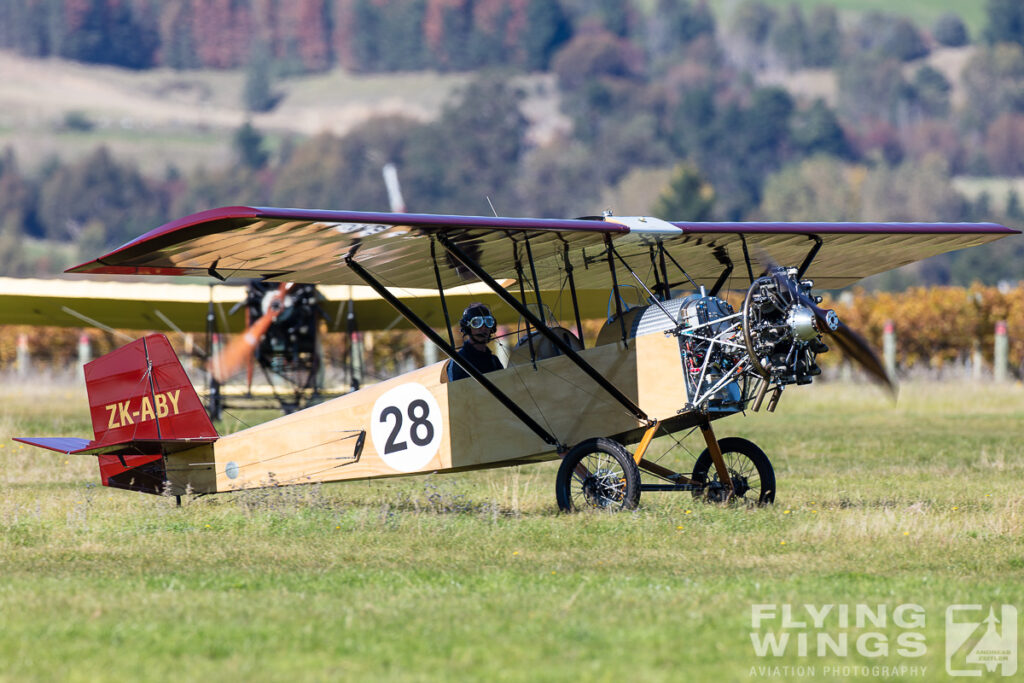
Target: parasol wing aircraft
285 354
675 364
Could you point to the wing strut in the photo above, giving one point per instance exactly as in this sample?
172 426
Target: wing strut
746 257
615 291
214 401
440 293
810 257
567 350
450 351
661 287
572 290
536 284
724 259
653 296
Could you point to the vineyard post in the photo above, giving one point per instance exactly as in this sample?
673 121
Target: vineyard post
889 347
22 359
84 355
429 352
1001 355
976 360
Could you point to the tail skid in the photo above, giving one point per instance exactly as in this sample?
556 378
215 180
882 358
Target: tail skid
143 406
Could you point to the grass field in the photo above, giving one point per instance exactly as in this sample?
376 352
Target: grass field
923 12
477 577
186 118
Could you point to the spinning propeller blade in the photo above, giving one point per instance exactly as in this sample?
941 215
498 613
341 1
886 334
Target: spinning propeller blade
828 323
239 351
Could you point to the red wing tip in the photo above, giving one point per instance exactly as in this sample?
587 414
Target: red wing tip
98 268
227 212
87 267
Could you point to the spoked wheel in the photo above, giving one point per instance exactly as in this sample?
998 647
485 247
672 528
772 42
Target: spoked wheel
753 478
598 473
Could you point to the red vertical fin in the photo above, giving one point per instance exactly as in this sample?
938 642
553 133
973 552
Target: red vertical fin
141 391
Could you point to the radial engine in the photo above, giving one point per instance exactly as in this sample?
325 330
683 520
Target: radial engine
731 358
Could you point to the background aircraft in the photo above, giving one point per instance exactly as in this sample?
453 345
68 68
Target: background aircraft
286 349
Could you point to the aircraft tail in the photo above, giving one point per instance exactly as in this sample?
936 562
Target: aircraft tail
143 407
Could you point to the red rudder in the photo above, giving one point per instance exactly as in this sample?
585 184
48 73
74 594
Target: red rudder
141 392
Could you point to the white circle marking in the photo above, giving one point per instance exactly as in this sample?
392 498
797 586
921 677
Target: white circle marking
406 427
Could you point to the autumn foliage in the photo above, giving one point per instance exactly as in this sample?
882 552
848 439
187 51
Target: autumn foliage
300 35
935 326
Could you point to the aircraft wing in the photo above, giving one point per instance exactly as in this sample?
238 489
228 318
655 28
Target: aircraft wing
311 246
121 305
133 305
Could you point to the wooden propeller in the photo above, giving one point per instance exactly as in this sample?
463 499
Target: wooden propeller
828 323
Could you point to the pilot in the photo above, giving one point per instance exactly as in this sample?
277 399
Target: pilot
478 327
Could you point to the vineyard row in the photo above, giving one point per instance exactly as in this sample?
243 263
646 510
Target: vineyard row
934 327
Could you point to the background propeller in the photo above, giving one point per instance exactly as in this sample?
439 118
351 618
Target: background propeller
239 351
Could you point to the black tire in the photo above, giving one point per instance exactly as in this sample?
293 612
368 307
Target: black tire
749 468
611 482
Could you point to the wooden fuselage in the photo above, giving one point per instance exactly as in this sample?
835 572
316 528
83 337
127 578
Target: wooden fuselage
419 422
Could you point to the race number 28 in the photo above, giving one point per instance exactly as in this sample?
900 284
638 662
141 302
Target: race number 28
421 431
406 427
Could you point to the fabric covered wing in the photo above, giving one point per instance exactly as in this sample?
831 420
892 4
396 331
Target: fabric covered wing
849 252
135 305
311 246
122 305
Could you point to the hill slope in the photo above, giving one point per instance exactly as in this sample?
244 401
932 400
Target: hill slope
155 117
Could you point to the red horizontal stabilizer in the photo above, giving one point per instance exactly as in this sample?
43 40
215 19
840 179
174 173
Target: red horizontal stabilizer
71 445
141 446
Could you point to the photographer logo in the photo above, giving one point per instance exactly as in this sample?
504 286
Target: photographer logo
980 640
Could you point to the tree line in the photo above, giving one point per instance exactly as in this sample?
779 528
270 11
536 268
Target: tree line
300 35
667 87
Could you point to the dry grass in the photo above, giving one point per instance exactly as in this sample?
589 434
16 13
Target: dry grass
923 12
162 116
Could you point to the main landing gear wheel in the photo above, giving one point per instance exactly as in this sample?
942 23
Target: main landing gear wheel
598 473
753 478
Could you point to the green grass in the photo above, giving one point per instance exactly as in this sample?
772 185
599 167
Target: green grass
997 188
476 576
922 12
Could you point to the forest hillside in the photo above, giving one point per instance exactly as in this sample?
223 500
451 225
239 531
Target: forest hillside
118 115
